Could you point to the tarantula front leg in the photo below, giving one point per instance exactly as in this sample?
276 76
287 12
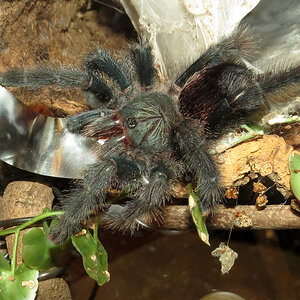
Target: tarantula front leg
143 61
80 202
100 62
147 202
191 149
91 193
77 123
44 76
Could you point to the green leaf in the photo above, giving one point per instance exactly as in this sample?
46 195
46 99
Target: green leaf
94 256
294 164
39 252
37 249
19 286
197 216
4 264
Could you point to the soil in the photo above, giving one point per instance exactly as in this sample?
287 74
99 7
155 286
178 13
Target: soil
57 33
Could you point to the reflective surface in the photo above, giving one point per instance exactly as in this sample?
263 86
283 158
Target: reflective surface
40 144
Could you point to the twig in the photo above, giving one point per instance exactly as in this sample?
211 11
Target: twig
177 217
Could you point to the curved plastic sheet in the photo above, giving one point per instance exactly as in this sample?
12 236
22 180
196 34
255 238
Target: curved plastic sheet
179 30
40 144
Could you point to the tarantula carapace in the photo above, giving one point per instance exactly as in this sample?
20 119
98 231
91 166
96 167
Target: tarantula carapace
151 134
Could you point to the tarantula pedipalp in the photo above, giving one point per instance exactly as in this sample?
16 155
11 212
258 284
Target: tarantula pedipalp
153 137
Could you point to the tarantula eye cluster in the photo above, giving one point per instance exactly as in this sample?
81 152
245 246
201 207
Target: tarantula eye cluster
153 138
131 122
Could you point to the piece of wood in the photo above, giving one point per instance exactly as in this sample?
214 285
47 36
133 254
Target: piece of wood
177 217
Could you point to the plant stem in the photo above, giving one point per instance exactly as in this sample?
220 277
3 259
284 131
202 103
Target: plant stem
250 134
96 228
14 253
8 231
18 229
31 222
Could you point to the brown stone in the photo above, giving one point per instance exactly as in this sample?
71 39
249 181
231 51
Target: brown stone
24 199
54 289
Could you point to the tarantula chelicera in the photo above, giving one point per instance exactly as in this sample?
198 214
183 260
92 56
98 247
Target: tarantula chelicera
155 133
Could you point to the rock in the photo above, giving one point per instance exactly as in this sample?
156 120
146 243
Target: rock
24 199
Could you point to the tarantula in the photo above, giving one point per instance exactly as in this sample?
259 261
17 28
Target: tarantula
153 134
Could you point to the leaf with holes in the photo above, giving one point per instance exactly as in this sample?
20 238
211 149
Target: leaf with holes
94 256
21 285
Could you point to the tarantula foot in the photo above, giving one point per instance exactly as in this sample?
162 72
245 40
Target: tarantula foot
116 220
62 231
74 125
209 198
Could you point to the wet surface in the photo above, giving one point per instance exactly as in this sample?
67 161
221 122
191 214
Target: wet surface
180 267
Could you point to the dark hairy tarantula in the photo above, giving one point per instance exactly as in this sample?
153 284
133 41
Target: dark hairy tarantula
153 133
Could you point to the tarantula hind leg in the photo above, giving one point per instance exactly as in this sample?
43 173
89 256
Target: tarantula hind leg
80 203
146 204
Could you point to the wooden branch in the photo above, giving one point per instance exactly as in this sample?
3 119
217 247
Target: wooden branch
177 217
272 217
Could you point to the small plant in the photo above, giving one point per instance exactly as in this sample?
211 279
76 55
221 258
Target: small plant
40 254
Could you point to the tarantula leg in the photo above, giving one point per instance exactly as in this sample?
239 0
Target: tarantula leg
191 148
143 60
100 61
105 127
281 86
64 78
147 203
80 203
99 92
241 45
38 78
207 90
78 122
252 98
